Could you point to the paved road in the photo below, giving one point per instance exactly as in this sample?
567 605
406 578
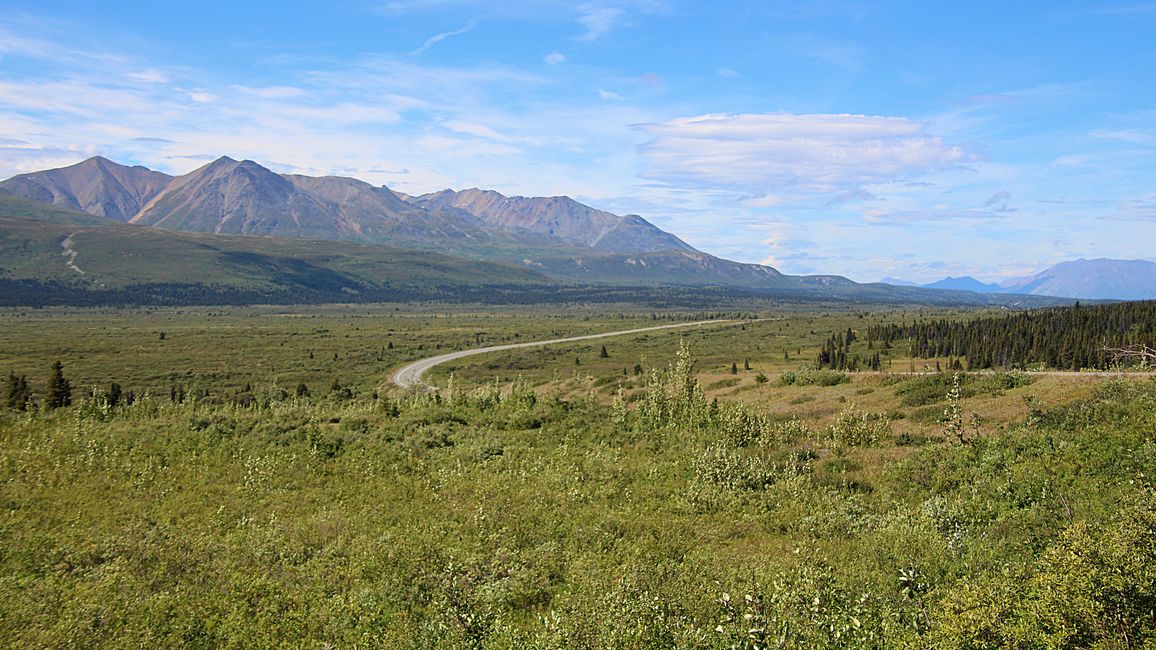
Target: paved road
411 375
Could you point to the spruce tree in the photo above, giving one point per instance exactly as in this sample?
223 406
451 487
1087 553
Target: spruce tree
59 390
18 394
113 395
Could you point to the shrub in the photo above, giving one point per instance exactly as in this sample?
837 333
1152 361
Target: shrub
855 429
821 378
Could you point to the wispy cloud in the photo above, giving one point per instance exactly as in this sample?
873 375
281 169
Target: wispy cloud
272 92
901 217
1140 210
471 128
857 194
1131 136
554 58
803 155
606 94
152 76
438 38
599 21
998 202
845 56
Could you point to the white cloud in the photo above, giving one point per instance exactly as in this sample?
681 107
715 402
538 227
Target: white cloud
800 155
438 38
599 21
271 92
939 213
606 94
1132 136
151 76
470 128
727 73
1141 210
554 58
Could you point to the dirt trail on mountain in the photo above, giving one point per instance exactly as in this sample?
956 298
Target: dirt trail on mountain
70 253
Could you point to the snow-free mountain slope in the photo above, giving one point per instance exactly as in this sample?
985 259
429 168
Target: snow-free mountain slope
561 218
96 186
1098 279
965 283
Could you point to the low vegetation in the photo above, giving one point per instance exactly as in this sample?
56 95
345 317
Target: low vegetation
647 511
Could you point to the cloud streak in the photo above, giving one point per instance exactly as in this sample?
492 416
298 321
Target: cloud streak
799 155
1141 210
438 38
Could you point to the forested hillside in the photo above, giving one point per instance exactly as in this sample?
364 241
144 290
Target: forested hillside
1063 338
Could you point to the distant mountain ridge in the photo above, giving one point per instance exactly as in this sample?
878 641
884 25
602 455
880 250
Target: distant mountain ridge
1081 279
1092 279
227 196
559 217
54 256
558 236
965 283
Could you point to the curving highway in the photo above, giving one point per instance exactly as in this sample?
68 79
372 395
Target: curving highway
411 375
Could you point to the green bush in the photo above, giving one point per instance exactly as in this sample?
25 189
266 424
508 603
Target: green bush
858 429
824 377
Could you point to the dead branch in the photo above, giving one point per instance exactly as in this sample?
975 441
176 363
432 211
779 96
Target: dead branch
1138 352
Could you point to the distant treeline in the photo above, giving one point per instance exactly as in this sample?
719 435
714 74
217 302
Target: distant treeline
35 293
1065 338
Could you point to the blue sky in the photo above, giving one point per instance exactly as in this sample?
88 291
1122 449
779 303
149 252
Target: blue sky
905 139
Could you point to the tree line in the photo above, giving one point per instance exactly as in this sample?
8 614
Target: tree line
1065 338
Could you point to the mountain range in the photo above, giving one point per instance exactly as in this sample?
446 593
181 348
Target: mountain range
238 224
1098 279
555 236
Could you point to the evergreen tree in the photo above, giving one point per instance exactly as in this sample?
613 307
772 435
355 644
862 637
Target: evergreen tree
19 394
113 395
734 369
59 390
603 354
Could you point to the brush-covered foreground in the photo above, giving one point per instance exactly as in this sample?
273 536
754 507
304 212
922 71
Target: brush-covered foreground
510 518
640 498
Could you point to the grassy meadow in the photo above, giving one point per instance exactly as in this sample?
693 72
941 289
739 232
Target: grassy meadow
663 495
